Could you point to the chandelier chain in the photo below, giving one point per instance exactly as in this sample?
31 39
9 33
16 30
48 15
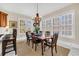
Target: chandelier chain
37 7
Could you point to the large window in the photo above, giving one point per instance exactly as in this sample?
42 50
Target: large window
63 24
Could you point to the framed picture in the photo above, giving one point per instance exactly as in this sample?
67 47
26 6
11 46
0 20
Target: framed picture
12 24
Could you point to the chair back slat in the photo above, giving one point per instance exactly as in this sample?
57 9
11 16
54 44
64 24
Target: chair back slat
55 38
33 37
47 33
40 33
15 33
27 35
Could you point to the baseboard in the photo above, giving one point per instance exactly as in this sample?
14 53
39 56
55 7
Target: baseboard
69 45
21 37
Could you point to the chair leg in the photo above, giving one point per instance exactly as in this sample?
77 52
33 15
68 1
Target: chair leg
52 50
44 47
35 46
14 45
55 48
32 44
28 42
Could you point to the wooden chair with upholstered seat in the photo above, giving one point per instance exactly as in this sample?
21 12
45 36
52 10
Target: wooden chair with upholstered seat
29 38
52 44
35 41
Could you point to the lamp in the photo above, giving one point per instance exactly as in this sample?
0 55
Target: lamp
37 18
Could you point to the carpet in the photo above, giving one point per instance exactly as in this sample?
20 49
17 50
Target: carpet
24 50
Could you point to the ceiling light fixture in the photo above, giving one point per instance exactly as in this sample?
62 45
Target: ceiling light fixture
37 18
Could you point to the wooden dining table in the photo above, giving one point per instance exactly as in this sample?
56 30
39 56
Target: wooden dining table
42 42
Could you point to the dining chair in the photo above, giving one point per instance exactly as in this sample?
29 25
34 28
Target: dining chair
40 33
29 37
8 42
51 44
47 33
35 41
1 35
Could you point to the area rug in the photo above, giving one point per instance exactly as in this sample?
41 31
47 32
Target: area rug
24 50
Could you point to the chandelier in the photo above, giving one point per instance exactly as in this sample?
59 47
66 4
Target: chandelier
37 18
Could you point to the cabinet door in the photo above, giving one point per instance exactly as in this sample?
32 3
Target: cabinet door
0 19
3 20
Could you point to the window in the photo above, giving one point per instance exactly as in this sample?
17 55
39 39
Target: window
43 25
28 24
48 24
63 24
56 24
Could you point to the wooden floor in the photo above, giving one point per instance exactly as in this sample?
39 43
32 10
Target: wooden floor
24 50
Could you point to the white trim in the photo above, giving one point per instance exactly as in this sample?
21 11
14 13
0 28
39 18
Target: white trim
69 45
21 37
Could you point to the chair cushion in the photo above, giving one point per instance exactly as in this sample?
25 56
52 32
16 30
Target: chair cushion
37 41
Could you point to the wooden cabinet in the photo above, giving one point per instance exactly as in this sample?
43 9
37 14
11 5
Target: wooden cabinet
3 19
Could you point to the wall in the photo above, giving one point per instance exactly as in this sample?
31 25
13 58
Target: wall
77 24
18 17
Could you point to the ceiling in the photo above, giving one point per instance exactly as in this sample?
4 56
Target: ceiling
30 9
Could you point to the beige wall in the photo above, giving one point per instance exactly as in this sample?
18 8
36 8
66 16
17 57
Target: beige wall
77 23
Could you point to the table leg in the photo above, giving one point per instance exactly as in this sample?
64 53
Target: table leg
42 48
